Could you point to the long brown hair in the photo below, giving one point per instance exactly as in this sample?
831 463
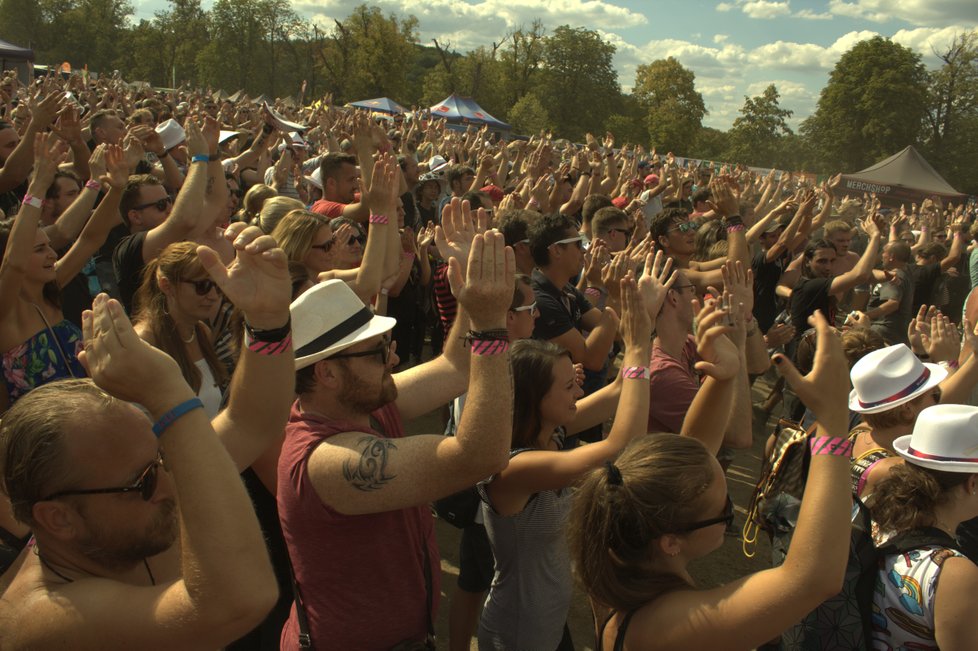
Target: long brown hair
613 525
533 372
176 262
906 498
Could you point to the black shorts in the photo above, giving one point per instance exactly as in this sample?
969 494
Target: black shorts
475 561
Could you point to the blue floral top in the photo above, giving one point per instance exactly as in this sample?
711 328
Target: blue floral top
38 361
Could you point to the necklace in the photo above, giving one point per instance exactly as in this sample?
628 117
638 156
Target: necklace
45 563
193 335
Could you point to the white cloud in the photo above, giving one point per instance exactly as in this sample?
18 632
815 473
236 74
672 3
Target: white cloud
765 9
724 6
808 14
720 38
915 12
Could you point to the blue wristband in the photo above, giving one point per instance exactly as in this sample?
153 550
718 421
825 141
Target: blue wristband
171 416
200 158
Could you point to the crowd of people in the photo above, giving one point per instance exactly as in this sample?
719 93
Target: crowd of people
219 318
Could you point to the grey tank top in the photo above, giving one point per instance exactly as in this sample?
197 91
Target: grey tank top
531 591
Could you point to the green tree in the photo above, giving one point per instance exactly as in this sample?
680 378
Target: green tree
951 124
674 107
520 62
23 23
755 137
528 115
873 105
369 55
711 144
578 83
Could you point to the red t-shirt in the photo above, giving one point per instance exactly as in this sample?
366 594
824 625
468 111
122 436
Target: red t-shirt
672 387
361 577
329 208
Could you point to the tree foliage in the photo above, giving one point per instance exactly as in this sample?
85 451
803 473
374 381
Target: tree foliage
873 105
674 108
757 136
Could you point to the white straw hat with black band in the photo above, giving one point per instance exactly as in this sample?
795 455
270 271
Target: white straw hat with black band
889 377
329 318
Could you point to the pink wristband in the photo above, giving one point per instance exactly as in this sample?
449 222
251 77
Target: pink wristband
736 228
831 445
32 201
378 219
592 291
267 348
92 184
636 372
489 347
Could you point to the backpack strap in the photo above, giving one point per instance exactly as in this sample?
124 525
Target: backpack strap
917 538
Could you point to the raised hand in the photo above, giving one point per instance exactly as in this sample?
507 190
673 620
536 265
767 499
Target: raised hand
126 366
116 167
96 162
134 151
942 343
739 283
196 143
68 126
825 389
718 354
455 234
44 111
724 202
486 291
49 152
257 281
636 323
656 280
381 196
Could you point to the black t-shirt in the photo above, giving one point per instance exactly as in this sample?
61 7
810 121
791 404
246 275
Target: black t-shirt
925 279
411 211
128 264
808 295
767 305
561 310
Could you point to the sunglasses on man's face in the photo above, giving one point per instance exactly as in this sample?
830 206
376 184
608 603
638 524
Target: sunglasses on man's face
159 205
685 227
145 484
579 241
202 287
384 351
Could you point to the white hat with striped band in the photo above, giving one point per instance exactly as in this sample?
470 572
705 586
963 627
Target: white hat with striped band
945 437
889 377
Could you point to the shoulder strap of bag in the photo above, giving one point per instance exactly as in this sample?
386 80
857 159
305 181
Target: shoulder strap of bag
57 342
305 640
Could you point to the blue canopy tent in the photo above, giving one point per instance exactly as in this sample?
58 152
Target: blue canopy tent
381 104
14 57
465 110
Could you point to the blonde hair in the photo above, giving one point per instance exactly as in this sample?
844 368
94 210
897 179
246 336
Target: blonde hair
272 211
296 231
253 202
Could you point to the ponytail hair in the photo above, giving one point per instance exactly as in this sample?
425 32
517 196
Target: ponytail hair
621 510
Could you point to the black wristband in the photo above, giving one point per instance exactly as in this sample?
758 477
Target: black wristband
270 336
165 153
501 334
734 220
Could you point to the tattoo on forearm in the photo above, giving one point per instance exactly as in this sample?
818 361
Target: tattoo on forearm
370 472
210 185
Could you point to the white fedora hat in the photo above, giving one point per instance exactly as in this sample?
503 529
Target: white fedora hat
316 178
945 437
171 133
437 164
889 377
328 318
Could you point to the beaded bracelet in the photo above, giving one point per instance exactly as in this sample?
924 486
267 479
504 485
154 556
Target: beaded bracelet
379 219
171 416
489 347
831 445
636 372
92 184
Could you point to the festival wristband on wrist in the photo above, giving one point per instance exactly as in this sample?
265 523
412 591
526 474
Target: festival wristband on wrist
489 346
379 219
171 416
268 342
838 447
32 201
165 153
735 228
636 372
200 158
92 184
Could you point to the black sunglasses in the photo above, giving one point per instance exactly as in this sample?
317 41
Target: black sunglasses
727 519
160 205
145 485
384 350
685 227
202 287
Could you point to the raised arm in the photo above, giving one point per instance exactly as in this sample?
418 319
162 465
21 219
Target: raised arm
188 210
49 152
257 283
17 167
419 469
746 613
842 283
222 550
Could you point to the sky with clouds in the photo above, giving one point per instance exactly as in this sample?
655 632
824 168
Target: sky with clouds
735 47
